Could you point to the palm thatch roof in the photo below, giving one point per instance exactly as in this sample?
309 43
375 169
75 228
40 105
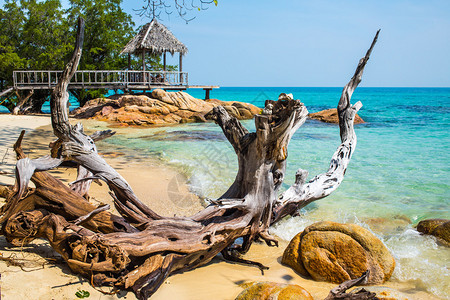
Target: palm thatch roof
154 38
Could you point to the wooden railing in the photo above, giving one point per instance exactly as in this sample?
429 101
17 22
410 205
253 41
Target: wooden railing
100 79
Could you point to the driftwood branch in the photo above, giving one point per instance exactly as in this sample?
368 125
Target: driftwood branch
139 249
339 292
301 193
22 101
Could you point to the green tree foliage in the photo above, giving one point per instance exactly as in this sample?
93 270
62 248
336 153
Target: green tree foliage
11 23
108 29
40 35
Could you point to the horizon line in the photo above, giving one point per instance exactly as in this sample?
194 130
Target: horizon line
385 87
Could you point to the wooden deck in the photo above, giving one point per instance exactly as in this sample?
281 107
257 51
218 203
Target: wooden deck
110 80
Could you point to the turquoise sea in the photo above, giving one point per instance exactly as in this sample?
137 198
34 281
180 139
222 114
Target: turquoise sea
399 173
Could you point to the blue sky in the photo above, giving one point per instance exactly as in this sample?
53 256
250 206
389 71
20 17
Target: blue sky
315 43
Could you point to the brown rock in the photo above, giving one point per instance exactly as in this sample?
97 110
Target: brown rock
331 116
232 110
182 100
131 108
274 291
163 108
139 100
92 107
334 252
291 256
439 228
245 114
99 101
106 110
254 110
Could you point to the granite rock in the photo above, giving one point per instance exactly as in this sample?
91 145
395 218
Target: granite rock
274 291
159 108
334 252
439 228
331 116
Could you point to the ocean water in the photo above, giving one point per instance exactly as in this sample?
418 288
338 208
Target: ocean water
399 173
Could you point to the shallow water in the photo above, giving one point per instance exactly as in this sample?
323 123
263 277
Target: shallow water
397 177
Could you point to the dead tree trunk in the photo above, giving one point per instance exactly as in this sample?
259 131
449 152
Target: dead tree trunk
19 108
301 193
140 249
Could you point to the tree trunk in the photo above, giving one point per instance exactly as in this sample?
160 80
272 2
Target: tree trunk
19 108
140 249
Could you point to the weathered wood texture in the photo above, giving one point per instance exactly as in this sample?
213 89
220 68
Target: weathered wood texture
339 292
19 108
140 249
301 193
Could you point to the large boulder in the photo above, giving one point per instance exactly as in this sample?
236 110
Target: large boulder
334 252
439 228
274 291
182 100
331 116
246 110
161 108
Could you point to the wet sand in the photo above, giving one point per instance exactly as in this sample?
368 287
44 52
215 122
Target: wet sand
46 276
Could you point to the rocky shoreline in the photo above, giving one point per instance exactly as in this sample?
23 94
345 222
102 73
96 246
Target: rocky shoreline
165 108
159 108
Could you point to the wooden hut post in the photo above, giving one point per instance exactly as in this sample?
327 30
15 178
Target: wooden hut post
143 65
164 66
181 67
129 61
164 61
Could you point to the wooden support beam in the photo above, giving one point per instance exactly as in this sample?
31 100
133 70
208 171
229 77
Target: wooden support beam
143 65
164 61
181 67
207 93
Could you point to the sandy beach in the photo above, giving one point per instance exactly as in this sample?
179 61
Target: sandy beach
43 275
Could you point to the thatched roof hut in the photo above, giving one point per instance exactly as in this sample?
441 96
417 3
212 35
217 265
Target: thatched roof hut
156 39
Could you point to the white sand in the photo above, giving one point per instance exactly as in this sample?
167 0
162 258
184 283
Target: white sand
10 128
44 279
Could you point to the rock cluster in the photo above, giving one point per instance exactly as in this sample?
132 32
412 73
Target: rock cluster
439 228
331 116
161 108
333 252
274 291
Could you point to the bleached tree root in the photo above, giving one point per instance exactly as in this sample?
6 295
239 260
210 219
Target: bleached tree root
139 249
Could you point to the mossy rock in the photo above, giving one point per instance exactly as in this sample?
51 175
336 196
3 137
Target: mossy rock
274 291
333 252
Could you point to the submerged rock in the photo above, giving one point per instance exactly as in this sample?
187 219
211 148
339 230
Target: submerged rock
439 228
333 252
274 291
161 108
389 225
331 116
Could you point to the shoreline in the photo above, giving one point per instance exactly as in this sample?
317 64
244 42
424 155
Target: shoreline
217 279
